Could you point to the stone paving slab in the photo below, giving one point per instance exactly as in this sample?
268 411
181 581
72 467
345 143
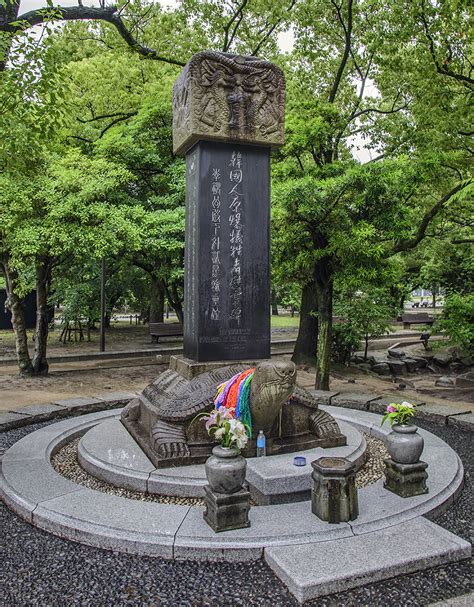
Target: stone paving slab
269 525
277 475
323 396
441 413
9 420
25 483
113 522
43 412
82 404
109 452
354 400
43 443
313 570
116 399
465 421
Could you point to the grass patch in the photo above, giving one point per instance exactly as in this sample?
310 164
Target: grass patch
285 321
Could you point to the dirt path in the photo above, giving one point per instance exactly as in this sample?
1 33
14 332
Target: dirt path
93 378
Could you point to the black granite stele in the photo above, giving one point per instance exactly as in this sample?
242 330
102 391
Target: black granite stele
227 266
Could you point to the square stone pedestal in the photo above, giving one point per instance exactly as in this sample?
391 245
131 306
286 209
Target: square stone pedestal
189 369
334 495
225 512
406 480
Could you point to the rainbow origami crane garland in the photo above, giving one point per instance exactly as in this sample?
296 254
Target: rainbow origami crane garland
234 395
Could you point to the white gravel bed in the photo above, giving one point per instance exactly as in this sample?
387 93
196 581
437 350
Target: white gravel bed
66 463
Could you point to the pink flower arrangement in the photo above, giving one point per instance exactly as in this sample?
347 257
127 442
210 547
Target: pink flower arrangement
399 413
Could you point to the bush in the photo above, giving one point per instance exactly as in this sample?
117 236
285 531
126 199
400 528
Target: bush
457 321
345 341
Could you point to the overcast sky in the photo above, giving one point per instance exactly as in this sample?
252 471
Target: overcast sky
285 40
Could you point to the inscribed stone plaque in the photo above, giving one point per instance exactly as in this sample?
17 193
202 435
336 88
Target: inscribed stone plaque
226 97
227 293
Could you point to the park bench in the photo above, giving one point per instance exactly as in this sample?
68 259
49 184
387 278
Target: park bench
164 329
422 318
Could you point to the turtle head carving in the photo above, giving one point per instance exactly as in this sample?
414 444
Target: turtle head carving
272 385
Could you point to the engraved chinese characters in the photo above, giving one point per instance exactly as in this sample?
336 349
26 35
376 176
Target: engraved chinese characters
227 97
215 244
227 253
236 238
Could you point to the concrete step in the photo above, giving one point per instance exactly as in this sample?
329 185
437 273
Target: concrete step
313 570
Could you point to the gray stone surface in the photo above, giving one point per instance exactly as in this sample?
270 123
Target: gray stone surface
100 520
42 412
381 368
466 421
8 419
397 367
227 97
108 452
227 265
445 382
270 525
77 406
466 380
323 397
439 413
116 399
112 522
353 400
313 570
28 482
276 476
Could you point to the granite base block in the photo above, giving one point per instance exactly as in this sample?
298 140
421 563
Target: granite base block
406 480
226 512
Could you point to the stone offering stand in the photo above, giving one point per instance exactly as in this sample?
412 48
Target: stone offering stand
311 556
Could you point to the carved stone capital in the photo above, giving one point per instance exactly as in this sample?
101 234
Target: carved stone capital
225 97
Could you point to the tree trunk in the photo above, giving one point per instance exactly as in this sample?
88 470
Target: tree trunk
157 300
306 342
324 293
40 363
15 306
175 301
274 303
366 346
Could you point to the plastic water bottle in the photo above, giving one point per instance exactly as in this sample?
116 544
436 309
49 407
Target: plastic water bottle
261 444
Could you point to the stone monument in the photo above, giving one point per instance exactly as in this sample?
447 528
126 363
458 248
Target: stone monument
228 111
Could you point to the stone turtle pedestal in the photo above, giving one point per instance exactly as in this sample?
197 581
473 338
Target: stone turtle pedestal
334 494
225 512
406 480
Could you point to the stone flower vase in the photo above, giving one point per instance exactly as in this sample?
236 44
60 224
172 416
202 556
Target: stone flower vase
225 470
404 444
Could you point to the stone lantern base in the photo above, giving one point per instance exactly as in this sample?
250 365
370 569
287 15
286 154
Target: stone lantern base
334 494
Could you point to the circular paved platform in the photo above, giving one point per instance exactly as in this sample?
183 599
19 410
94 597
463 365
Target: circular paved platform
31 487
108 452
